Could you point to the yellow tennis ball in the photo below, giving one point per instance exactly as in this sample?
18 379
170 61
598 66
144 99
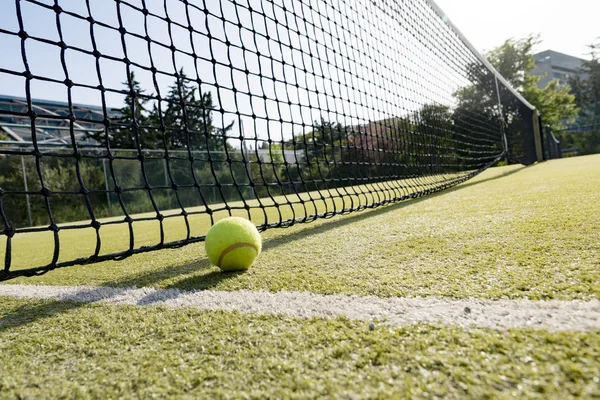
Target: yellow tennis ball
233 244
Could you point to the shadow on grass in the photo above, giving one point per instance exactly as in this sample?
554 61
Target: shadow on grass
200 274
29 313
41 309
492 178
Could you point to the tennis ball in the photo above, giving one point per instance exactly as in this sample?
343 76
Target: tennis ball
233 244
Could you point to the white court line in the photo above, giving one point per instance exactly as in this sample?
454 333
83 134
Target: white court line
552 315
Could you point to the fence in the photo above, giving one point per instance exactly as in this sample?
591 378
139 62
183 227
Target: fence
572 141
19 174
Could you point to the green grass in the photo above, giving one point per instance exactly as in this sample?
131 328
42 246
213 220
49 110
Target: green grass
66 350
512 232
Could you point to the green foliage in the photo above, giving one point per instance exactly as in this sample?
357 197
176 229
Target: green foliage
443 134
587 142
479 102
266 169
183 120
479 108
587 89
58 175
320 153
425 141
514 61
586 136
554 102
130 129
188 120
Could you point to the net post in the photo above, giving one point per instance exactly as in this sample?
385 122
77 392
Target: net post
539 152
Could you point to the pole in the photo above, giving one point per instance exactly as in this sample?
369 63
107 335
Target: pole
167 182
106 187
26 191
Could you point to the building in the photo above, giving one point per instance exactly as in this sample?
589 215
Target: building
551 65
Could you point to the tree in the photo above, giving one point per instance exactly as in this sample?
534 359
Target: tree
322 149
439 133
188 118
587 88
514 61
131 127
324 139
554 102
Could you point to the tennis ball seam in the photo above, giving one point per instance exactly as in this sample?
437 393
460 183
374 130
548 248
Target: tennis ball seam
233 247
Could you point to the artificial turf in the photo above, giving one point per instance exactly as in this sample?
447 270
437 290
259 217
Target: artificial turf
512 232
70 350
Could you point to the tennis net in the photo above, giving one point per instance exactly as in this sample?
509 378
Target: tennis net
139 115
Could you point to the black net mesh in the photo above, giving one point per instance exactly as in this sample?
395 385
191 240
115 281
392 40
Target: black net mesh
151 119
519 120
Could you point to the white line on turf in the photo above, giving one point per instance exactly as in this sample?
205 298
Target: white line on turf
498 314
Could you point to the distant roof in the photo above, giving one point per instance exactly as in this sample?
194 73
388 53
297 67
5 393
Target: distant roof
555 53
52 126
53 103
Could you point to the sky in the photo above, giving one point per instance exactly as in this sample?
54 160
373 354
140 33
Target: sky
566 26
